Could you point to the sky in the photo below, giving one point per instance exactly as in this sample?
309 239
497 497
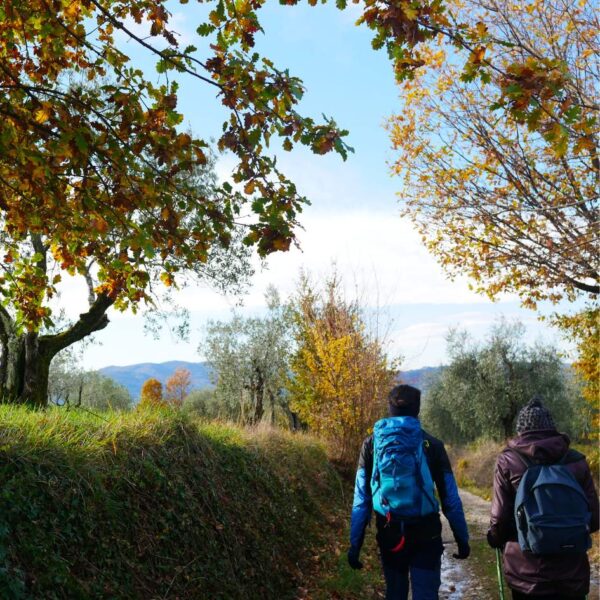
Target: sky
353 221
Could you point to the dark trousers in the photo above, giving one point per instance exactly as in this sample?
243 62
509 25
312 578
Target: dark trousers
420 562
521 596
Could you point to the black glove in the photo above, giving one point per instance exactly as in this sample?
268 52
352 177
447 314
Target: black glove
353 561
463 550
492 541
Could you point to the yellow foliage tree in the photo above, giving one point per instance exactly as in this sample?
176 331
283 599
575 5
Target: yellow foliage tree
494 198
583 328
151 393
340 373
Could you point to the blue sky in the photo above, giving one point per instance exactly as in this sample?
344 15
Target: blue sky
354 217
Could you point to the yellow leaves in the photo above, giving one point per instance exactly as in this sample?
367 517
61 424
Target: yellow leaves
72 9
167 279
43 113
481 29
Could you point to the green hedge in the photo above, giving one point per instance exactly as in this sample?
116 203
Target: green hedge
153 505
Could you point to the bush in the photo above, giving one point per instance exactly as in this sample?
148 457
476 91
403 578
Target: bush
150 504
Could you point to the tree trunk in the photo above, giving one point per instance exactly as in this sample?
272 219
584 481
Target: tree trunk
26 357
25 368
37 369
259 407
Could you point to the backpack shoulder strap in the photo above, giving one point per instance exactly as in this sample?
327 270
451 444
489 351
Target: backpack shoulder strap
524 458
571 456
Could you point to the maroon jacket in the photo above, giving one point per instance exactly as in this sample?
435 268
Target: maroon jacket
567 574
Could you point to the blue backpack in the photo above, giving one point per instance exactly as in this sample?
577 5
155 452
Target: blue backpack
401 483
551 510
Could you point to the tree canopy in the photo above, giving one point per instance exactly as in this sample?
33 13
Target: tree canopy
98 179
481 391
509 198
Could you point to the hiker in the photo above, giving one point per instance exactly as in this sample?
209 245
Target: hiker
543 558
397 469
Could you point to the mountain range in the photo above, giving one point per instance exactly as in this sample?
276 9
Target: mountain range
133 376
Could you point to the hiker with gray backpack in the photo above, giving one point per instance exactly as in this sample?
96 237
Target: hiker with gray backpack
544 508
398 469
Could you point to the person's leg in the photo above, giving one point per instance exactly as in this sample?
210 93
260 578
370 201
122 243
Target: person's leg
396 578
425 570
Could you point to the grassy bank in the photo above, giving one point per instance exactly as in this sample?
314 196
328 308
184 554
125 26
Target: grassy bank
153 505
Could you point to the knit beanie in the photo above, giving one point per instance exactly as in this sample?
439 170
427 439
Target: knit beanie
404 401
534 416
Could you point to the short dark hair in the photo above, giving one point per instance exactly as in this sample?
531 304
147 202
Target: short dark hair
404 401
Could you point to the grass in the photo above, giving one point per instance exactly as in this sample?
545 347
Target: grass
155 505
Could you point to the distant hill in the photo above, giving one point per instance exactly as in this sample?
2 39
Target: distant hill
420 378
133 376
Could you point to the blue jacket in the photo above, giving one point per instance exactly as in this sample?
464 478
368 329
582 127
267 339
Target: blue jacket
441 472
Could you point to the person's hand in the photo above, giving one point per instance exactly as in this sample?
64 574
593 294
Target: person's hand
463 551
492 541
353 561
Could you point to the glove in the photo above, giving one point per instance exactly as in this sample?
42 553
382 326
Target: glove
463 550
353 561
492 541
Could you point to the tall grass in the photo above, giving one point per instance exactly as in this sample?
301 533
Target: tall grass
155 505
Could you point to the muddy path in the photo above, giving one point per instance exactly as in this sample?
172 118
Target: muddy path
468 579
471 579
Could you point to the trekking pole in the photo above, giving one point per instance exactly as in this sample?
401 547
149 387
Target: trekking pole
499 572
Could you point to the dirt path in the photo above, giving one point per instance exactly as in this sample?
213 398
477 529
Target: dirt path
472 579
466 579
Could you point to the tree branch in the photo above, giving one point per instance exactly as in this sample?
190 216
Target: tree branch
93 320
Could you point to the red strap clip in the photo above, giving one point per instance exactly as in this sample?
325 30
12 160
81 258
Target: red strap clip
399 546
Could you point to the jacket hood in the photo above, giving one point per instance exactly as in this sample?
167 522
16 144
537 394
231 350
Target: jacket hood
541 446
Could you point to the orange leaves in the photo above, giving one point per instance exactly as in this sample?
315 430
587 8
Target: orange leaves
477 55
178 387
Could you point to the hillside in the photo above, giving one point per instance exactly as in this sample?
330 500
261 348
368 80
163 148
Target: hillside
133 376
154 505
420 378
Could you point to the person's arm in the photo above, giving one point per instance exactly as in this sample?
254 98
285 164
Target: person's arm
451 503
503 501
362 504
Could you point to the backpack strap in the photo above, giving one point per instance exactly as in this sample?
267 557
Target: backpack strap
524 458
571 456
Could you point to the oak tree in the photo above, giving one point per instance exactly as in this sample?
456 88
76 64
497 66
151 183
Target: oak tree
511 202
94 163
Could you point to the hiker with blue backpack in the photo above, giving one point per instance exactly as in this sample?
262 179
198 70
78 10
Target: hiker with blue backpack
544 508
398 469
